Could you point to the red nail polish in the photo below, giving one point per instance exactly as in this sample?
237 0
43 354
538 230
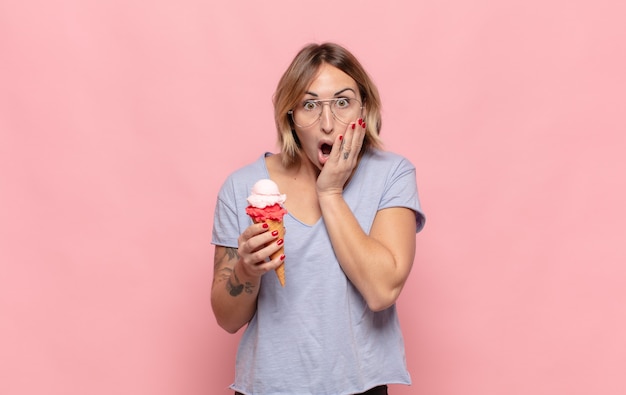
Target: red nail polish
363 125
340 138
353 125
360 121
275 233
280 242
282 257
265 226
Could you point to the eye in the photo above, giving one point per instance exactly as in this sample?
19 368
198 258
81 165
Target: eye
309 105
343 102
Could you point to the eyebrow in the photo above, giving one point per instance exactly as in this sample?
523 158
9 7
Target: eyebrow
336 93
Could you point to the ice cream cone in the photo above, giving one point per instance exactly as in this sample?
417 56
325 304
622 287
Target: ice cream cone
278 226
266 205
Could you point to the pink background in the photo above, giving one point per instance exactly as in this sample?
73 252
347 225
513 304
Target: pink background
120 119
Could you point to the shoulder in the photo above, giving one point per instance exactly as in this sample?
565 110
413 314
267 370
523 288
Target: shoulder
388 157
385 162
395 178
251 169
382 170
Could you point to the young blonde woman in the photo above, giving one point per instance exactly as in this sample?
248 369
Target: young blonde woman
353 213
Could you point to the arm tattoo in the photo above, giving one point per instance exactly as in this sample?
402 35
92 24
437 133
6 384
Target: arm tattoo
232 253
234 288
228 255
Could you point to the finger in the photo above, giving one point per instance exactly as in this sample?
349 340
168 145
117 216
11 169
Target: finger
354 141
274 263
343 153
269 266
254 229
338 147
262 255
358 137
254 238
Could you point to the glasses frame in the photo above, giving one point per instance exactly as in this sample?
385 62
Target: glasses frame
322 102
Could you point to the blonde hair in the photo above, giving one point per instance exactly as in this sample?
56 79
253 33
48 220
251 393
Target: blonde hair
298 77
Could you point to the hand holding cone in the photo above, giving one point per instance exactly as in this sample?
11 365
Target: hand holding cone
266 206
278 226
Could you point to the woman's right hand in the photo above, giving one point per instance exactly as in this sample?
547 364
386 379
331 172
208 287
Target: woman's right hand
255 245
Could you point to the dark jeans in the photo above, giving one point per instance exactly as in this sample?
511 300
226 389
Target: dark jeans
380 390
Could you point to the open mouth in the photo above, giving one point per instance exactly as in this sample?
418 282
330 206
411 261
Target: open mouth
324 152
326 148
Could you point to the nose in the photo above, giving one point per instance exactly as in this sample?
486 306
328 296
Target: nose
327 119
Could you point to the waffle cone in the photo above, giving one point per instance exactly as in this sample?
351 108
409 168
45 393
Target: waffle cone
278 225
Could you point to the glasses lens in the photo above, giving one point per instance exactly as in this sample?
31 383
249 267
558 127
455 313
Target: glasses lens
308 113
344 110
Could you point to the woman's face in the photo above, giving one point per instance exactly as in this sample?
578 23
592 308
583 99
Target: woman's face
317 139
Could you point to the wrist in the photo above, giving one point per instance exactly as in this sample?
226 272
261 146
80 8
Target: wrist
240 282
331 194
331 203
242 274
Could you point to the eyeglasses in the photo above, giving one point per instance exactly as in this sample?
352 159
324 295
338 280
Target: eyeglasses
344 110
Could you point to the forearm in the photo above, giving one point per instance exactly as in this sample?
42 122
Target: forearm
233 293
375 270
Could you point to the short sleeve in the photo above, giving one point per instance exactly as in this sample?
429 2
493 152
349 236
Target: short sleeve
230 218
225 219
401 191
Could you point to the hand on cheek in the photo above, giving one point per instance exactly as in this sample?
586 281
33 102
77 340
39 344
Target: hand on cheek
352 141
343 158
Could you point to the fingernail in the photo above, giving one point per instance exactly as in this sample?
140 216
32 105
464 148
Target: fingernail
265 226
353 125
275 233
280 242
360 121
340 138
282 257
363 125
